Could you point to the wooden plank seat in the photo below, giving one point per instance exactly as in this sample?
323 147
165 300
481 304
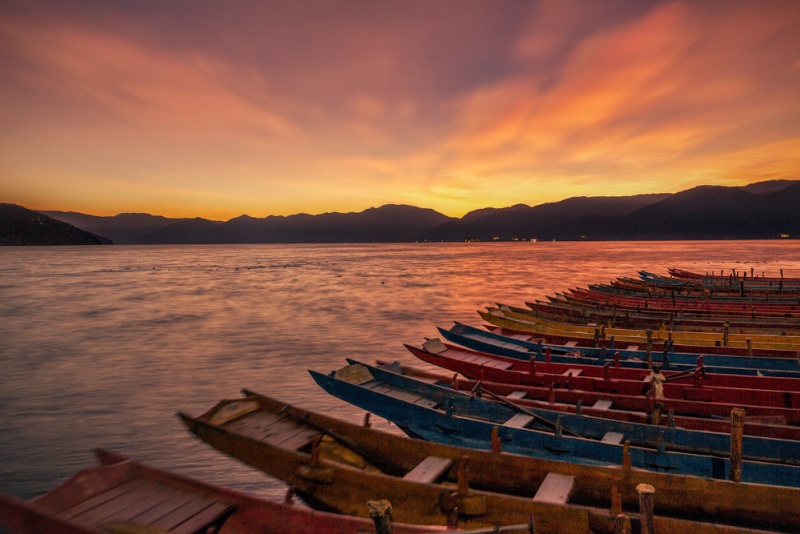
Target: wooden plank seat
602 404
428 470
555 489
516 395
571 344
519 420
573 372
632 347
613 437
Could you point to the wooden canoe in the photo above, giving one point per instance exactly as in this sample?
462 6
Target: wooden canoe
124 496
784 342
524 345
483 366
438 414
612 316
494 487
601 404
785 391
595 338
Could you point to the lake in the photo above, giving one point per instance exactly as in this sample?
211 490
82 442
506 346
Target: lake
101 346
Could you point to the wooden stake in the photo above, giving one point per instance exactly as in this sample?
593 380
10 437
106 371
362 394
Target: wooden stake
737 430
463 482
497 445
381 514
646 513
626 455
616 499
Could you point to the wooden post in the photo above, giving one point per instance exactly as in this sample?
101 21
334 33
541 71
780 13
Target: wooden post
497 445
366 423
381 514
463 481
737 429
725 332
547 357
626 455
532 364
315 452
646 492
616 499
649 348
578 406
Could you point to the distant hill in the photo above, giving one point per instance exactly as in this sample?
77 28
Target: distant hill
122 228
20 226
764 210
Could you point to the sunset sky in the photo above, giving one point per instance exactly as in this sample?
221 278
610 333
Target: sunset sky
192 108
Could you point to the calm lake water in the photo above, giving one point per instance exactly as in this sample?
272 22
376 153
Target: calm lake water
101 346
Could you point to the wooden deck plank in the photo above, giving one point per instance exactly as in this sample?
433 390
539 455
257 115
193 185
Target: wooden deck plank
99 500
515 395
122 507
613 437
128 512
428 470
519 421
254 419
602 404
299 439
167 506
185 514
203 519
555 489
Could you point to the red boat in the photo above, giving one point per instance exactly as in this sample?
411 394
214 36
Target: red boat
688 400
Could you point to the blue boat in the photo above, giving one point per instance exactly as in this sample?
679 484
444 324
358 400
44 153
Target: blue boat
440 414
512 347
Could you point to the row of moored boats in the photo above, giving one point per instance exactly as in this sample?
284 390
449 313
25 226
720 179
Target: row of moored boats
666 404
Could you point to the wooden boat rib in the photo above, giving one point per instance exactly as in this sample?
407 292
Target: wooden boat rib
125 496
499 485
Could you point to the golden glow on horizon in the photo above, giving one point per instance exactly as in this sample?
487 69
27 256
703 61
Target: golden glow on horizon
103 118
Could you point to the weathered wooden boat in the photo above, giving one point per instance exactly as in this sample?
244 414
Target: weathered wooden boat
779 341
598 338
696 310
495 368
583 425
335 464
733 277
601 404
612 316
743 305
437 414
777 391
523 345
124 496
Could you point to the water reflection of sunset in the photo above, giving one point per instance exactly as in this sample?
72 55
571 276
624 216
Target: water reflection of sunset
254 108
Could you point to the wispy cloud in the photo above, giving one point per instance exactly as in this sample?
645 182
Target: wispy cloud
281 108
